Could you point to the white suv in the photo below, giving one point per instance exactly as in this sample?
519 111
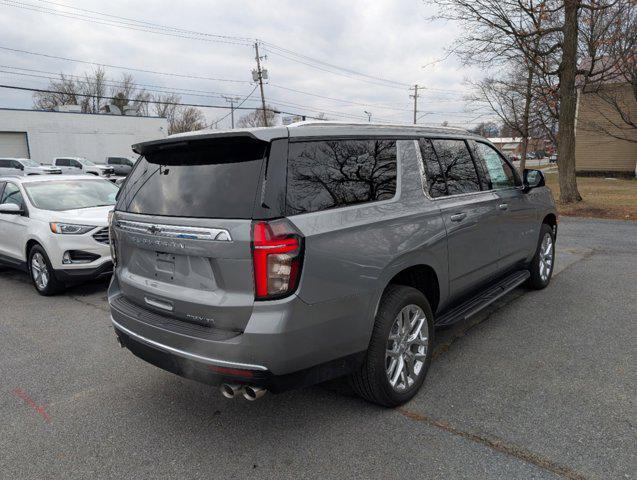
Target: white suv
56 228
75 165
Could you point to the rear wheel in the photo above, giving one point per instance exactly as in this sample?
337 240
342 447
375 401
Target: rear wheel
544 259
42 274
400 349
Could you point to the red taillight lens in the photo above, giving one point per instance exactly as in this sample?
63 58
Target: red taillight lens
277 257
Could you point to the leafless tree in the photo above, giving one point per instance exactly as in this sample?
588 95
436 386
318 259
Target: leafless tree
64 93
486 129
615 90
547 34
181 118
255 118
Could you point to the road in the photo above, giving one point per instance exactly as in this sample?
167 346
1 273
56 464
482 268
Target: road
542 385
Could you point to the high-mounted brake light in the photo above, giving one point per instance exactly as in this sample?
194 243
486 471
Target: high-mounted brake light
277 256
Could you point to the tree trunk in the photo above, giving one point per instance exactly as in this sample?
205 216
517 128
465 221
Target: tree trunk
525 117
568 105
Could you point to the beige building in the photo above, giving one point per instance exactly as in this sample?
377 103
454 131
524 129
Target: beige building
604 142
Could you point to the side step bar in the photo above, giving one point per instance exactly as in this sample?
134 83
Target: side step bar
483 299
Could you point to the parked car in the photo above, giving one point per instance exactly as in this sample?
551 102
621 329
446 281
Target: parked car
25 166
75 165
121 165
273 258
553 158
530 156
514 158
56 228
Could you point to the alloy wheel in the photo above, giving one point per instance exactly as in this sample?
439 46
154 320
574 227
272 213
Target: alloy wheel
407 348
39 271
546 257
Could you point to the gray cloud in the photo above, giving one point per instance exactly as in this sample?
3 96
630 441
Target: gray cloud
390 39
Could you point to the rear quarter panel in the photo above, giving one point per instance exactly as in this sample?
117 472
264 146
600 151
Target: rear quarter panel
352 253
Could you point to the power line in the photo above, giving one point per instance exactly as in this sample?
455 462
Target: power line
132 69
112 23
159 102
151 27
113 83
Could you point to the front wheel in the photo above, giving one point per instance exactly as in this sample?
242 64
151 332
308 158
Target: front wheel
544 259
400 349
42 274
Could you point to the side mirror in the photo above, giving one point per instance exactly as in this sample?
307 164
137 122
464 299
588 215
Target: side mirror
533 179
11 209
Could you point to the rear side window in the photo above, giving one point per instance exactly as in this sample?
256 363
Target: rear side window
218 178
62 162
336 173
457 166
436 185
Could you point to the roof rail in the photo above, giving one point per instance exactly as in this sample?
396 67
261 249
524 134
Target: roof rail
331 123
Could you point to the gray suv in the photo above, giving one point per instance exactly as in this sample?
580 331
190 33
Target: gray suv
274 258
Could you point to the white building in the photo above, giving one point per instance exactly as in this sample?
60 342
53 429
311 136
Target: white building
43 135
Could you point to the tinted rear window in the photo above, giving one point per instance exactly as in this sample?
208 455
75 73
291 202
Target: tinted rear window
217 178
336 173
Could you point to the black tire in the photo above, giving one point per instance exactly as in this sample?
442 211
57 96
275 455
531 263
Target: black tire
370 381
538 280
53 285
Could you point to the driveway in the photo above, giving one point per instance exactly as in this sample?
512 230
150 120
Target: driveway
542 385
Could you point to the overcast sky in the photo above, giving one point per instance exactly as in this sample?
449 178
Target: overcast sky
387 39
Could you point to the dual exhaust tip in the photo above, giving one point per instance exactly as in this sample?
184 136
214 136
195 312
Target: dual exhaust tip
250 393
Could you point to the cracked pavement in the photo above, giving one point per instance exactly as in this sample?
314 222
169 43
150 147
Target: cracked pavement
540 385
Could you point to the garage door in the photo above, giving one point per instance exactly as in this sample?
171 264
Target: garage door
14 144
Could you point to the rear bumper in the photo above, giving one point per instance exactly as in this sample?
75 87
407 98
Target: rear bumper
213 371
283 337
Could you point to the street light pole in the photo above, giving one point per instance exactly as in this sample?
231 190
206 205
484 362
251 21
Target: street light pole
369 116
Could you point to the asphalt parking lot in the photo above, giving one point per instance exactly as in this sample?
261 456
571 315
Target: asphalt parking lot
543 385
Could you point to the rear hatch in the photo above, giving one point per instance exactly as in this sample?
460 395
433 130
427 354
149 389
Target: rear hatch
183 226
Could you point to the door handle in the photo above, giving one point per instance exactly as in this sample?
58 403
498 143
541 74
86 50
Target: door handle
503 206
458 217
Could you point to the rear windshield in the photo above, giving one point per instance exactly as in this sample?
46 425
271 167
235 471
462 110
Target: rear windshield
217 178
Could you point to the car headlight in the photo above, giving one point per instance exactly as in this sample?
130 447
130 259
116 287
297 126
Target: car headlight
69 228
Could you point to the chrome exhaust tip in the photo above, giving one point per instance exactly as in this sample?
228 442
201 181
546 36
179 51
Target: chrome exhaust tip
253 393
229 390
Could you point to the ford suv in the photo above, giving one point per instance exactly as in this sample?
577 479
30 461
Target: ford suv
273 258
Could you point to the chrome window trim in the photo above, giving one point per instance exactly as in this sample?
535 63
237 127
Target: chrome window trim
175 231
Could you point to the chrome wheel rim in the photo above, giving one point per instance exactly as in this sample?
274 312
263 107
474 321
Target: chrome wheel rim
546 257
39 271
407 348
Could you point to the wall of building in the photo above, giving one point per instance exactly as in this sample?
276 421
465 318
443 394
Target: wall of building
595 149
93 136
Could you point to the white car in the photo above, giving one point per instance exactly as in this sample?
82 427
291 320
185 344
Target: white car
75 165
25 166
56 228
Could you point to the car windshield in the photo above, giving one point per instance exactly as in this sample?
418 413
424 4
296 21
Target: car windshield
63 195
29 163
86 162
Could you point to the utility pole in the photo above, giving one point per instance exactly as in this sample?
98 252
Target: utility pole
232 100
415 97
259 75
369 115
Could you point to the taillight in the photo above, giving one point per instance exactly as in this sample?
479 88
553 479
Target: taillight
277 254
